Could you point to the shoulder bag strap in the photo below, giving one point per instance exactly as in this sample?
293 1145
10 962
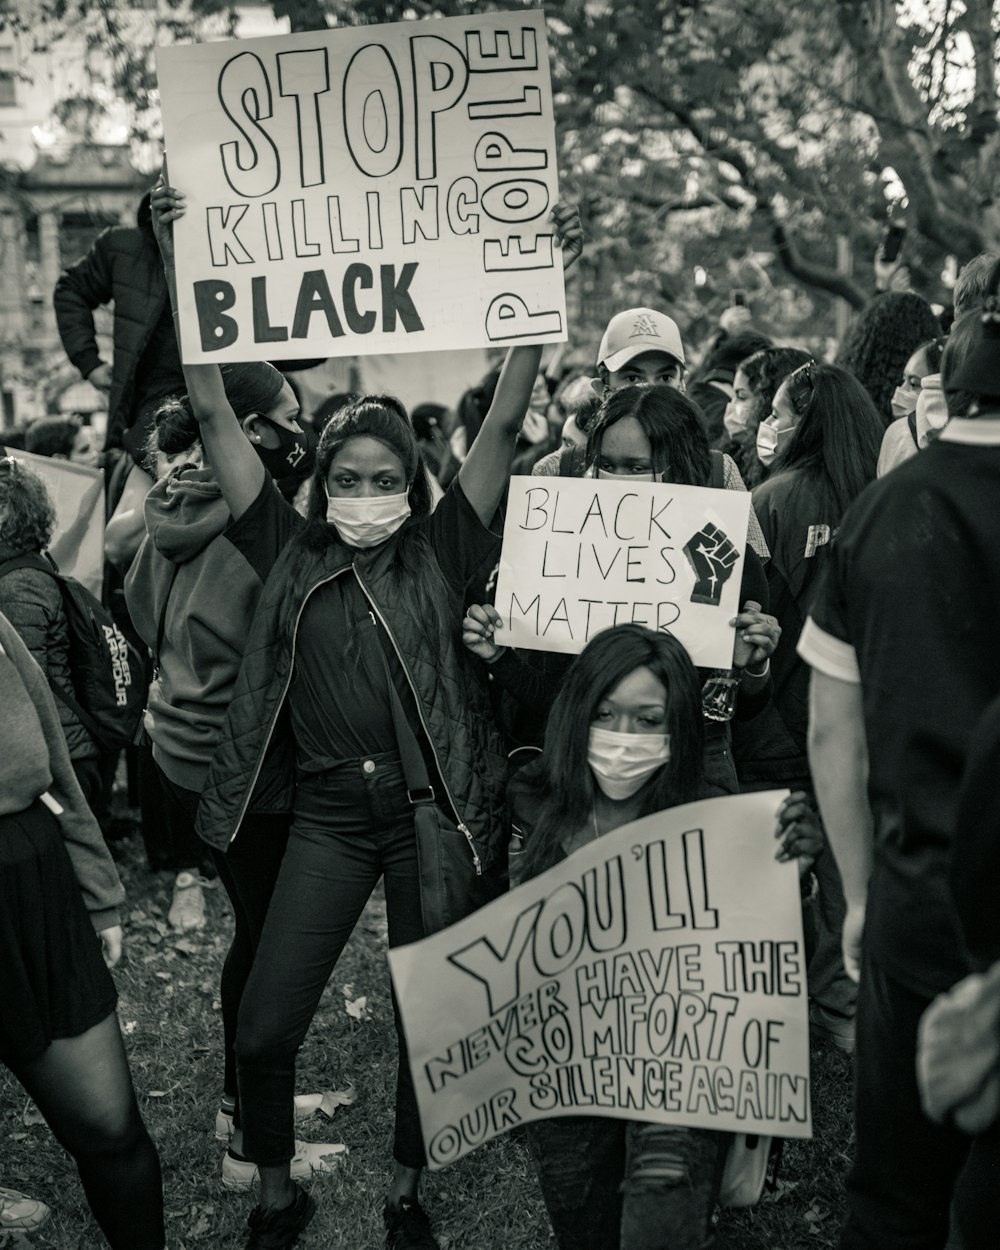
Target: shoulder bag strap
418 784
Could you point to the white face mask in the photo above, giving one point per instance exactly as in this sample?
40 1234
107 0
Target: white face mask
649 476
771 440
369 521
734 421
622 763
903 402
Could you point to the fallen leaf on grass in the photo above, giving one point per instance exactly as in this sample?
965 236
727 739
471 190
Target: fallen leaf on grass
157 1093
334 1098
358 1008
31 1114
186 947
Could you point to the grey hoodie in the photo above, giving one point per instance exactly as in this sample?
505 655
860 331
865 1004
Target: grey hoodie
188 576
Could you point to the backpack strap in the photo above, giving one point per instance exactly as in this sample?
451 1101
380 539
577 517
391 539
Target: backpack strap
45 564
31 561
911 421
718 477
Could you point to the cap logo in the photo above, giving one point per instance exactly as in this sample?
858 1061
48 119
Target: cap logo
644 327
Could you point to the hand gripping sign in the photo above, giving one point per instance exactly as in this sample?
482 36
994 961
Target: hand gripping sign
580 555
656 974
365 190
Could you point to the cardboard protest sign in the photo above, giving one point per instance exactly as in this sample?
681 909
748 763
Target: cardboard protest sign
656 974
77 493
365 189
581 554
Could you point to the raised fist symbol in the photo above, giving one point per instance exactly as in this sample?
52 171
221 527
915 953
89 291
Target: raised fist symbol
712 556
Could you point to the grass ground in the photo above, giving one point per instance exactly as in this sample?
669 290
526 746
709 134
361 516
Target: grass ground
169 1010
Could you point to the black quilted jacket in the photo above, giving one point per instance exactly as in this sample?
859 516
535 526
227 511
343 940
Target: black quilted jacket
254 766
32 603
123 266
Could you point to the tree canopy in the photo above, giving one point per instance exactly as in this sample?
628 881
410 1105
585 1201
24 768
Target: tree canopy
712 143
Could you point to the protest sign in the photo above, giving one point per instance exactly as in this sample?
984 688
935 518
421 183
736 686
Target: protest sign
581 554
77 494
365 189
656 974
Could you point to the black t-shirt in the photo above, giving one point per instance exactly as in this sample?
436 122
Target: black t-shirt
908 608
342 711
799 531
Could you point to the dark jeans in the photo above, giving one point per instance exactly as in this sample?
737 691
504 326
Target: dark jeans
619 1183
248 871
720 768
899 1189
167 830
352 825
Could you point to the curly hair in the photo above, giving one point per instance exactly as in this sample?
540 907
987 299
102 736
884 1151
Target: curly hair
27 515
973 284
882 340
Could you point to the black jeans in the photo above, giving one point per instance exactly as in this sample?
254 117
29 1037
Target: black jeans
900 1187
352 825
248 871
620 1183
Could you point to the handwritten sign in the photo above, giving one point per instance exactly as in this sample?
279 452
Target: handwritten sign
366 189
580 555
656 974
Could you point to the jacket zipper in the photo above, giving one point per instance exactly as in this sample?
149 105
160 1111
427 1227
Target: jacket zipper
462 827
280 703
373 609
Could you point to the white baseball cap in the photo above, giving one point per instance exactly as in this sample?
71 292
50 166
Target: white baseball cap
635 331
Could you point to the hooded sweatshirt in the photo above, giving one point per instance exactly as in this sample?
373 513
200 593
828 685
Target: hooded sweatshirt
189 580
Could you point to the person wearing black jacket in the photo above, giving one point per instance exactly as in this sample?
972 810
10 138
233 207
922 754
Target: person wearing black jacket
122 268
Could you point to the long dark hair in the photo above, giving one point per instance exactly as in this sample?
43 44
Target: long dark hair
882 340
416 578
838 437
560 781
670 421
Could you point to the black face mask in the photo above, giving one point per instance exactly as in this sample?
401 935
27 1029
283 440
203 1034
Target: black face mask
294 455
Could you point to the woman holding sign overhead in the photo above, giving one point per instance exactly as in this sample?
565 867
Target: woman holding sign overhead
355 710
624 740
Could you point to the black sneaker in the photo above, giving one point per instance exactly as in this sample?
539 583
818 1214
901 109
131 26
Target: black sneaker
407 1227
277 1230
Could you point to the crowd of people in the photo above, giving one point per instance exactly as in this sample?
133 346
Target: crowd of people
343 715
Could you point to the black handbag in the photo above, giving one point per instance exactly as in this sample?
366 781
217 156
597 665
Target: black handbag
453 881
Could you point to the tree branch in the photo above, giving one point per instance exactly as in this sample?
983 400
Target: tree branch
821 276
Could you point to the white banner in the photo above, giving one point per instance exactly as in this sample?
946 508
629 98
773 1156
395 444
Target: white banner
365 189
656 974
581 554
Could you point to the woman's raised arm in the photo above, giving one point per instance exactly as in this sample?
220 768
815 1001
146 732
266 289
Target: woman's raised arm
237 468
486 469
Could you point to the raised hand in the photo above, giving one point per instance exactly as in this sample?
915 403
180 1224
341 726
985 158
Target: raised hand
569 232
712 556
166 206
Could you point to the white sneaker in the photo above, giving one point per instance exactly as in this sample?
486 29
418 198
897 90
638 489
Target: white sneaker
20 1214
309 1157
306 1105
187 911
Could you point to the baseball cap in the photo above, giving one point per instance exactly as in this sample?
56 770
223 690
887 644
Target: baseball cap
635 331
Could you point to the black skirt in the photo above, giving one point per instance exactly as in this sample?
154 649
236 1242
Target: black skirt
53 980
